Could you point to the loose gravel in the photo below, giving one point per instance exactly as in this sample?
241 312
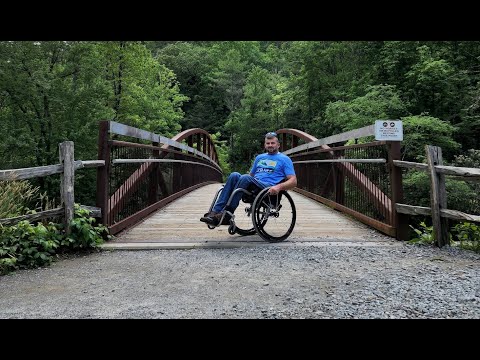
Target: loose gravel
271 281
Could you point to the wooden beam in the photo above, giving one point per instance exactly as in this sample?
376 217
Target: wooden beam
34 217
92 163
352 134
94 212
422 210
411 165
41 171
472 174
459 171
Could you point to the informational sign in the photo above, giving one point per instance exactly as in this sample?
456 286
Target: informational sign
391 130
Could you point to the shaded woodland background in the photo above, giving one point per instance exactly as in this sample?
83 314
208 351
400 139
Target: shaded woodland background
54 91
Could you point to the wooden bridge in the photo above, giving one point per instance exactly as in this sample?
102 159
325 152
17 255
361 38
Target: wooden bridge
177 226
153 190
155 193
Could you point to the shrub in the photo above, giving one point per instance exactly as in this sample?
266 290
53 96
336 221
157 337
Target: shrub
84 234
29 246
424 234
468 234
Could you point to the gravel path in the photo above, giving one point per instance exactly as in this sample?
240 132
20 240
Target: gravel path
271 281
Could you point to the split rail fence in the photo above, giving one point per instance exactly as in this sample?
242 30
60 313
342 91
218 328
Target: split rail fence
66 168
438 195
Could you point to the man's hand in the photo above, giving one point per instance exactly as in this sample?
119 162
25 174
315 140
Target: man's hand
287 185
274 190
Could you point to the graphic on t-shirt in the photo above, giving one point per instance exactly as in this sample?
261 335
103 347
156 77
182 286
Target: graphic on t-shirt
266 166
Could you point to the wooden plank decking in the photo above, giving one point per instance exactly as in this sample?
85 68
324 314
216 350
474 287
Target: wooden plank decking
178 226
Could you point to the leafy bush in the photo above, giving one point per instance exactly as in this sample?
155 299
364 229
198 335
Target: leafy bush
421 130
84 234
424 234
29 246
468 234
472 160
461 196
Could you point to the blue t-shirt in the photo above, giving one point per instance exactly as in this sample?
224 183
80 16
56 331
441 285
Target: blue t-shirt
272 169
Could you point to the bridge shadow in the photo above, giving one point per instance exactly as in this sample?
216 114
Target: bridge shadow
178 226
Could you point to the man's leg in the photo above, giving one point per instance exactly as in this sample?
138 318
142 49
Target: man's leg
227 190
243 183
230 185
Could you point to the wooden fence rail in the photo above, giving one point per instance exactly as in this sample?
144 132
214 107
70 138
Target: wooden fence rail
67 169
438 195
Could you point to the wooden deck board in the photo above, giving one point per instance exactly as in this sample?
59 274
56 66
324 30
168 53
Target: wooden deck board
179 222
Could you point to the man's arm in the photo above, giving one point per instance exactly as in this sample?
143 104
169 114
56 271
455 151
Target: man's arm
290 183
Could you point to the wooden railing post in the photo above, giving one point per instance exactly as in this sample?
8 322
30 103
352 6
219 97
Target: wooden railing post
103 172
438 195
66 154
400 221
154 176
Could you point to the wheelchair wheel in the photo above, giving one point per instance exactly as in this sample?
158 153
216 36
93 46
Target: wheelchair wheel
274 216
243 220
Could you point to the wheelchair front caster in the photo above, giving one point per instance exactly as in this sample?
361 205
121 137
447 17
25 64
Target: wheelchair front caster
232 228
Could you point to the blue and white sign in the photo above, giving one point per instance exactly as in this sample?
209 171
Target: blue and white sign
390 130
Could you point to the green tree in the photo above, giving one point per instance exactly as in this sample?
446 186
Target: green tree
421 130
145 94
380 102
248 124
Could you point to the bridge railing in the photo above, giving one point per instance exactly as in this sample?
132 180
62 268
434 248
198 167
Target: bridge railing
140 178
359 180
66 168
438 195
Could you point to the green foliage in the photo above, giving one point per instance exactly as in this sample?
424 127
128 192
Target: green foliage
416 188
228 78
145 94
222 152
52 91
470 159
465 235
433 83
25 245
249 123
468 235
84 233
380 102
470 198
16 197
421 130
424 234
191 62
460 195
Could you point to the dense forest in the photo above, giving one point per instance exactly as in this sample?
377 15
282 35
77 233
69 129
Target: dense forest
238 90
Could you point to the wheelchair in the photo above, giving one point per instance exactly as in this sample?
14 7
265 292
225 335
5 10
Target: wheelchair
270 216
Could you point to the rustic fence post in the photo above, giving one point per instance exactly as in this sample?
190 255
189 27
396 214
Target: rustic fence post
438 195
66 151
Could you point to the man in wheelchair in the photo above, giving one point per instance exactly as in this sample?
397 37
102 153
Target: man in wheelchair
270 169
